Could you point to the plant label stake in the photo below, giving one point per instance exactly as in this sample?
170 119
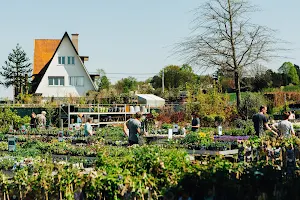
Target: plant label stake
60 136
184 131
220 130
170 134
11 144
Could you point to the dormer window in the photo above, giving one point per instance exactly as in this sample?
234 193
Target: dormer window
61 60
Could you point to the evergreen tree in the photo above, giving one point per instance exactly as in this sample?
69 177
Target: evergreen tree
15 70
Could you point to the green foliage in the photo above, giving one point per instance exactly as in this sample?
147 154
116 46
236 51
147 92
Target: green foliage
175 77
242 127
166 126
25 98
250 104
293 76
198 138
50 109
9 117
291 88
102 82
14 70
290 73
209 105
234 132
125 85
208 120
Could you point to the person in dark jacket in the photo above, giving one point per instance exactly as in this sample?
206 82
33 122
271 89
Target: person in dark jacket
134 127
33 120
195 122
260 122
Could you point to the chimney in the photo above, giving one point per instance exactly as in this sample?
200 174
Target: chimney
75 40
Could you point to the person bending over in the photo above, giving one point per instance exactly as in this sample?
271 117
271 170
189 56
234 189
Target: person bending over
134 126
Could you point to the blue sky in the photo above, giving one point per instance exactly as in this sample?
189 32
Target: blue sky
131 36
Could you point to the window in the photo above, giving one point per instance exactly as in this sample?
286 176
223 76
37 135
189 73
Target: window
71 60
56 80
76 80
61 60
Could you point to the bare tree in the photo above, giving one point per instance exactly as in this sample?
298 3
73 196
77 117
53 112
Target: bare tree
225 39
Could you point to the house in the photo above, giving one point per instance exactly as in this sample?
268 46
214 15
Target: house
58 69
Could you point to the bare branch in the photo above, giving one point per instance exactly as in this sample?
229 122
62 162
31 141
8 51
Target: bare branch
223 37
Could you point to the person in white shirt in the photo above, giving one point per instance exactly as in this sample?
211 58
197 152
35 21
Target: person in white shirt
41 118
292 115
284 127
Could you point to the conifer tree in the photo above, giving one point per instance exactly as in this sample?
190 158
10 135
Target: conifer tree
15 70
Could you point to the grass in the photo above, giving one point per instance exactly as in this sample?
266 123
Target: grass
232 96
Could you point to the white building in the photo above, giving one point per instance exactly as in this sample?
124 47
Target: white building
58 69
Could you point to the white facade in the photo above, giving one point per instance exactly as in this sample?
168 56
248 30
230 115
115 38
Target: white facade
56 72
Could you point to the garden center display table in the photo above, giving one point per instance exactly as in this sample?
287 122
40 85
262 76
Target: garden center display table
212 153
153 138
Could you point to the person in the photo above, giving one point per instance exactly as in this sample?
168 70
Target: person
33 120
260 121
292 115
88 129
195 122
79 118
41 119
134 126
284 127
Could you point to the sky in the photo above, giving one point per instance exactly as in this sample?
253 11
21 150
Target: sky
133 36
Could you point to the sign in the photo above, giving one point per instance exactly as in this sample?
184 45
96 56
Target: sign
23 129
220 130
60 136
11 144
170 134
175 129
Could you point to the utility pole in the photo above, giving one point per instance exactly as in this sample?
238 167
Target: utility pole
163 81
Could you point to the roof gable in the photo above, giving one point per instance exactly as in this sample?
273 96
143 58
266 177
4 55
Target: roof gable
43 52
38 77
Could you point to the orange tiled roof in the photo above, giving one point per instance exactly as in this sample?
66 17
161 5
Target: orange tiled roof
43 52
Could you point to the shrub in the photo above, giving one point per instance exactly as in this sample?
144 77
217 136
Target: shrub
208 121
250 104
212 102
234 132
7 117
219 118
177 117
166 126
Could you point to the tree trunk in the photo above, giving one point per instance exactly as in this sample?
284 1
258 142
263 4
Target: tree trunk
237 89
26 83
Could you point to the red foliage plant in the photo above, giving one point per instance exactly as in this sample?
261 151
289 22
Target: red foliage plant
177 117
278 98
164 118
